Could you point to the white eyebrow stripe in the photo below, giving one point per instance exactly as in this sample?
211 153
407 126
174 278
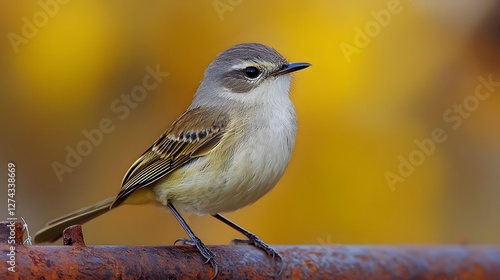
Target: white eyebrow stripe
243 65
246 64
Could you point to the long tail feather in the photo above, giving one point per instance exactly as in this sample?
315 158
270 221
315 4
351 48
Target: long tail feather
53 229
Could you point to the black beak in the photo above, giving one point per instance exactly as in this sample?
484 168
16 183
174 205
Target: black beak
291 67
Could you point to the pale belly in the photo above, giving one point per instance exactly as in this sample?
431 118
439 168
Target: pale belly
207 186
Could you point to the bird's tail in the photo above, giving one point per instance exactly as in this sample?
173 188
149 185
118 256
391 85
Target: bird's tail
53 229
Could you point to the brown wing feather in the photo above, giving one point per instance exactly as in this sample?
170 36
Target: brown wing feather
192 135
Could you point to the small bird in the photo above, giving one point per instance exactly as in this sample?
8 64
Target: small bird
228 149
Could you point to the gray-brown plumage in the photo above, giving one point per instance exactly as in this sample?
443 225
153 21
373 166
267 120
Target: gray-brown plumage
173 149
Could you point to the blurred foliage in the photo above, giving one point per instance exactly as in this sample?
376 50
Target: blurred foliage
358 113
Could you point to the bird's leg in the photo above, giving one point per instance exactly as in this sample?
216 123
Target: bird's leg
252 239
204 251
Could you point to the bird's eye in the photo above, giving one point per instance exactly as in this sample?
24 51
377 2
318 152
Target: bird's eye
252 72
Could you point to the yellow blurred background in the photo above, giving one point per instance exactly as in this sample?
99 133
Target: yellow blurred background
386 75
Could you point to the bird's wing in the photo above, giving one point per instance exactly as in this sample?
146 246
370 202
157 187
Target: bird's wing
194 134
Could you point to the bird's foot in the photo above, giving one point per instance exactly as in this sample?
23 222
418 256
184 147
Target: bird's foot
256 242
204 251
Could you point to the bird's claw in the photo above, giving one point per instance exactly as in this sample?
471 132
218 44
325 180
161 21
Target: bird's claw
204 251
256 242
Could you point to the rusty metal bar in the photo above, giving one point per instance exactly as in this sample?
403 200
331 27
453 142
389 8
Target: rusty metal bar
78 261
